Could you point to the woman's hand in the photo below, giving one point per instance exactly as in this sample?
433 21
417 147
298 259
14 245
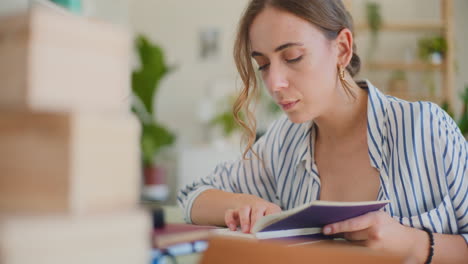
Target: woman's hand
377 230
250 209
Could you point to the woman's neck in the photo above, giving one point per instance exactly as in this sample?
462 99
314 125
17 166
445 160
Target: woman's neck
346 118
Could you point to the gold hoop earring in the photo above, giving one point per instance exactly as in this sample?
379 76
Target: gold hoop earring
342 73
344 82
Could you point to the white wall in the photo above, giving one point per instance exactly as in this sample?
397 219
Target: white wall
113 11
175 25
12 6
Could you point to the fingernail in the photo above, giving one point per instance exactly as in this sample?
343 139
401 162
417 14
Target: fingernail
327 230
232 227
245 228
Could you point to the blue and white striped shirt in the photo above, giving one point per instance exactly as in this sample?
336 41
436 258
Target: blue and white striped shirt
417 148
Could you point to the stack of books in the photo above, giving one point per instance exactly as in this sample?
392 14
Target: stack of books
69 155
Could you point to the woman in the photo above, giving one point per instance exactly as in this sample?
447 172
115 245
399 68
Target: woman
341 140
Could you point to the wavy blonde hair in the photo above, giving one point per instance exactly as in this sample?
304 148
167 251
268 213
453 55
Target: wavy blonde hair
330 16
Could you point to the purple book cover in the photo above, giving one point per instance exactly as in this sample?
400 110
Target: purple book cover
321 215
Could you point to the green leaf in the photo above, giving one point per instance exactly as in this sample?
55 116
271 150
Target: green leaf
153 138
227 121
429 45
145 84
145 81
446 107
374 19
144 87
463 123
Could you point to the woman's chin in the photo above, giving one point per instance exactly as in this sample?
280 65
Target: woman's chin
297 118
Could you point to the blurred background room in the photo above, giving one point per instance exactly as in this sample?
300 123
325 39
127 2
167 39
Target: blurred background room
180 79
414 50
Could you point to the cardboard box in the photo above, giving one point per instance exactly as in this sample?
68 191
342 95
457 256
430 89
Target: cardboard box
53 61
75 163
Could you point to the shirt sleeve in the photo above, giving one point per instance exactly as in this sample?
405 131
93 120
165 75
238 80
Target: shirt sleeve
251 176
455 158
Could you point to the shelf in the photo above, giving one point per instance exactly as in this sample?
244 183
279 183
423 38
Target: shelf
416 66
408 26
415 97
443 25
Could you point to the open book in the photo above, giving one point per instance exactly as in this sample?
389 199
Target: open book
307 221
303 222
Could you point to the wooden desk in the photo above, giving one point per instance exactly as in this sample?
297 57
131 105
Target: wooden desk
234 251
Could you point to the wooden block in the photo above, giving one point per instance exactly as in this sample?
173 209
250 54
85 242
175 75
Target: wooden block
60 62
76 163
117 238
232 251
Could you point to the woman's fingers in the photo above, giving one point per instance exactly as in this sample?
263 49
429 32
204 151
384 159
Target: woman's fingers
231 218
257 213
357 235
351 225
247 215
244 217
272 209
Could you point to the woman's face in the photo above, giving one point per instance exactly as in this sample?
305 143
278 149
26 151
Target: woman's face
298 64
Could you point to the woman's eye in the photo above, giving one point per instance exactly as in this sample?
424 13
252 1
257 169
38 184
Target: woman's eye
263 67
294 60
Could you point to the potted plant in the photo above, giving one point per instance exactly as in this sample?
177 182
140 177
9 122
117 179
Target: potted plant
432 49
154 136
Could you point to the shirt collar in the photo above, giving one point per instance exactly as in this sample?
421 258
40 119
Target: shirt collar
305 150
377 104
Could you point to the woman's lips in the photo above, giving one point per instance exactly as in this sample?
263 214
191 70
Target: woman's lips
287 105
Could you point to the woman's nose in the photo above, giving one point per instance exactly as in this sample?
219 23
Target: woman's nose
276 79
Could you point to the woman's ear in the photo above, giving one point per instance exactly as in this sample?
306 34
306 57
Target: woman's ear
344 43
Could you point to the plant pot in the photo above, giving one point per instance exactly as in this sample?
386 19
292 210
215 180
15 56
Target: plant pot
436 58
155 187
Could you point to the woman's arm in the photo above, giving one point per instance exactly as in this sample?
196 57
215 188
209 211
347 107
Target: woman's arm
210 206
233 185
